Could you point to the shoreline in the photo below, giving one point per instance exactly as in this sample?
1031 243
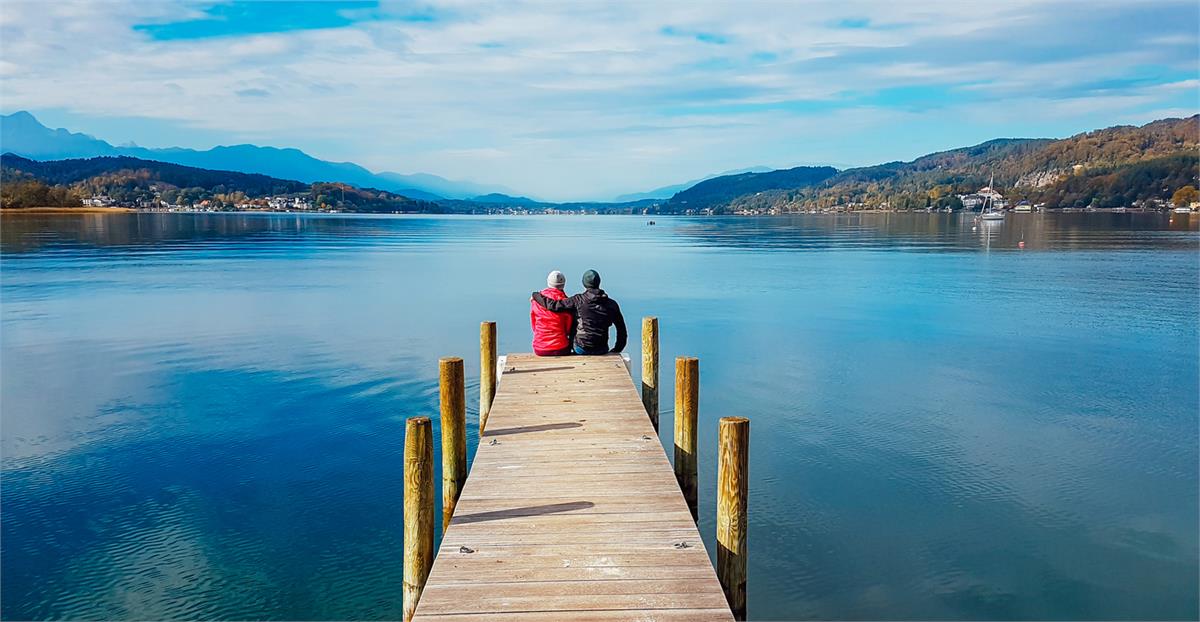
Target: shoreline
131 210
67 210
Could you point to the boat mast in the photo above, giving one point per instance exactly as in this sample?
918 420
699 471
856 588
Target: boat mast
987 200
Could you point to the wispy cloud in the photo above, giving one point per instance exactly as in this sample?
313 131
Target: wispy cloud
589 99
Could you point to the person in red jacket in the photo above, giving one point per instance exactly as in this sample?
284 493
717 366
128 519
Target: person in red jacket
553 332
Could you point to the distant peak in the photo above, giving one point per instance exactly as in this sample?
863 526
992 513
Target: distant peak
22 115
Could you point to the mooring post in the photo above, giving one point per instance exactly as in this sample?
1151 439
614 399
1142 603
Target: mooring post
487 371
650 368
454 433
733 450
418 510
687 400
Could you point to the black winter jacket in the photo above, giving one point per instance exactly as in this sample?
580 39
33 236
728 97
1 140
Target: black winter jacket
595 312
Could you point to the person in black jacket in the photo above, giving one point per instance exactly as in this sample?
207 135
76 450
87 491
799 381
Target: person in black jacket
595 312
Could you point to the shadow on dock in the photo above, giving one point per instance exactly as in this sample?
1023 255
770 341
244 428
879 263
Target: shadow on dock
514 370
532 428
533 510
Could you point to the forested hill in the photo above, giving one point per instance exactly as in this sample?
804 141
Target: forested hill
1104 168
135 182
101 171
720 190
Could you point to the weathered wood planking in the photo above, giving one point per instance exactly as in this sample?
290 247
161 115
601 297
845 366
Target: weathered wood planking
571 510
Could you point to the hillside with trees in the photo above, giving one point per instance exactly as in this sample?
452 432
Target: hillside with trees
720 190
134 182
1105 168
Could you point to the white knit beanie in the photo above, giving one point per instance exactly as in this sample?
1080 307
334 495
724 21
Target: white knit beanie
556 279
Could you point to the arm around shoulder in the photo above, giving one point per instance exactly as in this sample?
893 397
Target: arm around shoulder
622 334
557 306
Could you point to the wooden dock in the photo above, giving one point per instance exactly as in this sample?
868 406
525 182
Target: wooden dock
571 510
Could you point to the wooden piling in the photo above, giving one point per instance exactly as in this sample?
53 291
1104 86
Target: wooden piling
733 453
418 510
650 368
454 433
487 371
687 400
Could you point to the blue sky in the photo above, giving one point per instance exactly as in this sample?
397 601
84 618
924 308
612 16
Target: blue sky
586 100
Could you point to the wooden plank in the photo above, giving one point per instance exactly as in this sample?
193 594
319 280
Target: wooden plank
445 602
571 509
470 576
552 588
647 615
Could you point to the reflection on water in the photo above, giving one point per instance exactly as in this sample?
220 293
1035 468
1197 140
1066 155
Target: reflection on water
948 232
922 232
202 415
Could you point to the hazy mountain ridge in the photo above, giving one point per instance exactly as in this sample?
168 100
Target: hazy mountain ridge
22 134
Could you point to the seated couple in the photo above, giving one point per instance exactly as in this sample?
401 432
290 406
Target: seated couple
574 324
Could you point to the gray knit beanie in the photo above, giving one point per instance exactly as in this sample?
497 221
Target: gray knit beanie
591 279
556 279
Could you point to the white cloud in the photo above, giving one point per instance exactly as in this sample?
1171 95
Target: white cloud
588 99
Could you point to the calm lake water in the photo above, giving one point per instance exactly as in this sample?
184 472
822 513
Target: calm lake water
202 415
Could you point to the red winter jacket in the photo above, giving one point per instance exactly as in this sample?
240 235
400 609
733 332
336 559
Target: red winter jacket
551 331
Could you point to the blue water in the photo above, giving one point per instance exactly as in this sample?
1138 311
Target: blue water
202 415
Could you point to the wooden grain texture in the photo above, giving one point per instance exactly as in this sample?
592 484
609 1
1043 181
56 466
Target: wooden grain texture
418 510
487 371
453 400
733 452
571 510
650 368
687 405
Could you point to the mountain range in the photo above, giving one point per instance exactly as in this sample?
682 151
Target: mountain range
22 134
1120 165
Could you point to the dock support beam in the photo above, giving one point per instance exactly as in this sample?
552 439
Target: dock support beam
418 510
650 368
687 401
454 433
487 371
732 490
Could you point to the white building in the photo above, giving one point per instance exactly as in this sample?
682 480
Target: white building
100 200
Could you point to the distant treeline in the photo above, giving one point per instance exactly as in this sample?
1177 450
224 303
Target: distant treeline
27 192
350 198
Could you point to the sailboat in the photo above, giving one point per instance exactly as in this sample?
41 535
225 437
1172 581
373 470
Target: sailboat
989 212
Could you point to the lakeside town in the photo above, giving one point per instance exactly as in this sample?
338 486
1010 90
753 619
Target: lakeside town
303 203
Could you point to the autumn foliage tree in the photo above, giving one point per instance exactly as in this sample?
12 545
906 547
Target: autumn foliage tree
17 193
1185 196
